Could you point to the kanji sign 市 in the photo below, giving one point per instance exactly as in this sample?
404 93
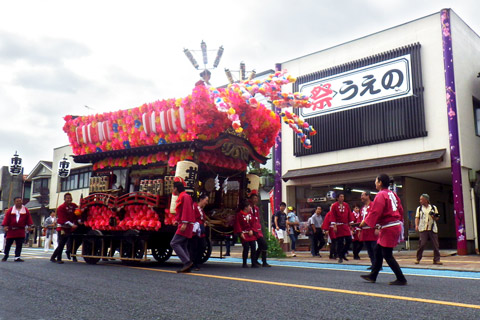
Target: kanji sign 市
64 168
15 165
383 81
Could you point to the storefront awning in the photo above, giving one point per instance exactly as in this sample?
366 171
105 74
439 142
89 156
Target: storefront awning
34 205
407 159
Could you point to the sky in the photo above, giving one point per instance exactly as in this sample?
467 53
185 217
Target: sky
62 58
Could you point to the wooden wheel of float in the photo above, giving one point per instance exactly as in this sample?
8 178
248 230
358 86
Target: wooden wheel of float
207 252
132 247
162 254
92 246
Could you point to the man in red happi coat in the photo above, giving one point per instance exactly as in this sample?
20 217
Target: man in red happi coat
244 226
261 243
14 223
66 224
185 219
386 211
341 220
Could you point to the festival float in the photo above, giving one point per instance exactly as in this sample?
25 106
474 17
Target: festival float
207 138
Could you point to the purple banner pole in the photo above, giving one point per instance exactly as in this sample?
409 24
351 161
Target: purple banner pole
277 156
458 205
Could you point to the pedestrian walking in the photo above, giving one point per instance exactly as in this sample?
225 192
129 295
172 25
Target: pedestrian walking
75 240
292 227
387 211
27 235
426 219
368 235
244 226
317 239
185 219
357 245
228 243
16 219
50 225
281 223
197 243
2 232
327 227
262 246
65 226
342 218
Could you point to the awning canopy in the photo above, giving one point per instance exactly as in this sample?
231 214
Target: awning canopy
34 205
407 159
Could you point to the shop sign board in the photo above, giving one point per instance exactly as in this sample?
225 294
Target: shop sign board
387 80
317 199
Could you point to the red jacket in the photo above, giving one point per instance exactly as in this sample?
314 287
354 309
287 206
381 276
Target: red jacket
66 213
17 229
367 233
257 225
386 208
244 223
185 214
199 216
356 230
327 225
342 216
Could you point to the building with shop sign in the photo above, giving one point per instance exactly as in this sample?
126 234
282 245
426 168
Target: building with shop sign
404 101
77 183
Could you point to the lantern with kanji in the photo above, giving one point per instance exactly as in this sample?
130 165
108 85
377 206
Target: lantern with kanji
64 168
15 165
188 171
253 183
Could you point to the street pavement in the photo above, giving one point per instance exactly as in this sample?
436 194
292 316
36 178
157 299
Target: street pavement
294 288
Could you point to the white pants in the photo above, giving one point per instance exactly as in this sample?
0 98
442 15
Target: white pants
2 241
49 240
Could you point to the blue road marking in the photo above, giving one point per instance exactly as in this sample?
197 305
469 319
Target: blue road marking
363 268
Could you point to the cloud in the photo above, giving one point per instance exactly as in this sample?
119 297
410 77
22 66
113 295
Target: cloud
52 79
121 76
41 63
31 148
44 51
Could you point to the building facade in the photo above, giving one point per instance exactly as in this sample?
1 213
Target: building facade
39 199
10 188
404 101
77 183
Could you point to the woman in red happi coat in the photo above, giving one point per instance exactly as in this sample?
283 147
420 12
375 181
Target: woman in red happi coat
327 227
387 212
357 244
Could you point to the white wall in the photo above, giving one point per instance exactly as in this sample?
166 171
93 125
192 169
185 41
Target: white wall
467 206
466 51
427 32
